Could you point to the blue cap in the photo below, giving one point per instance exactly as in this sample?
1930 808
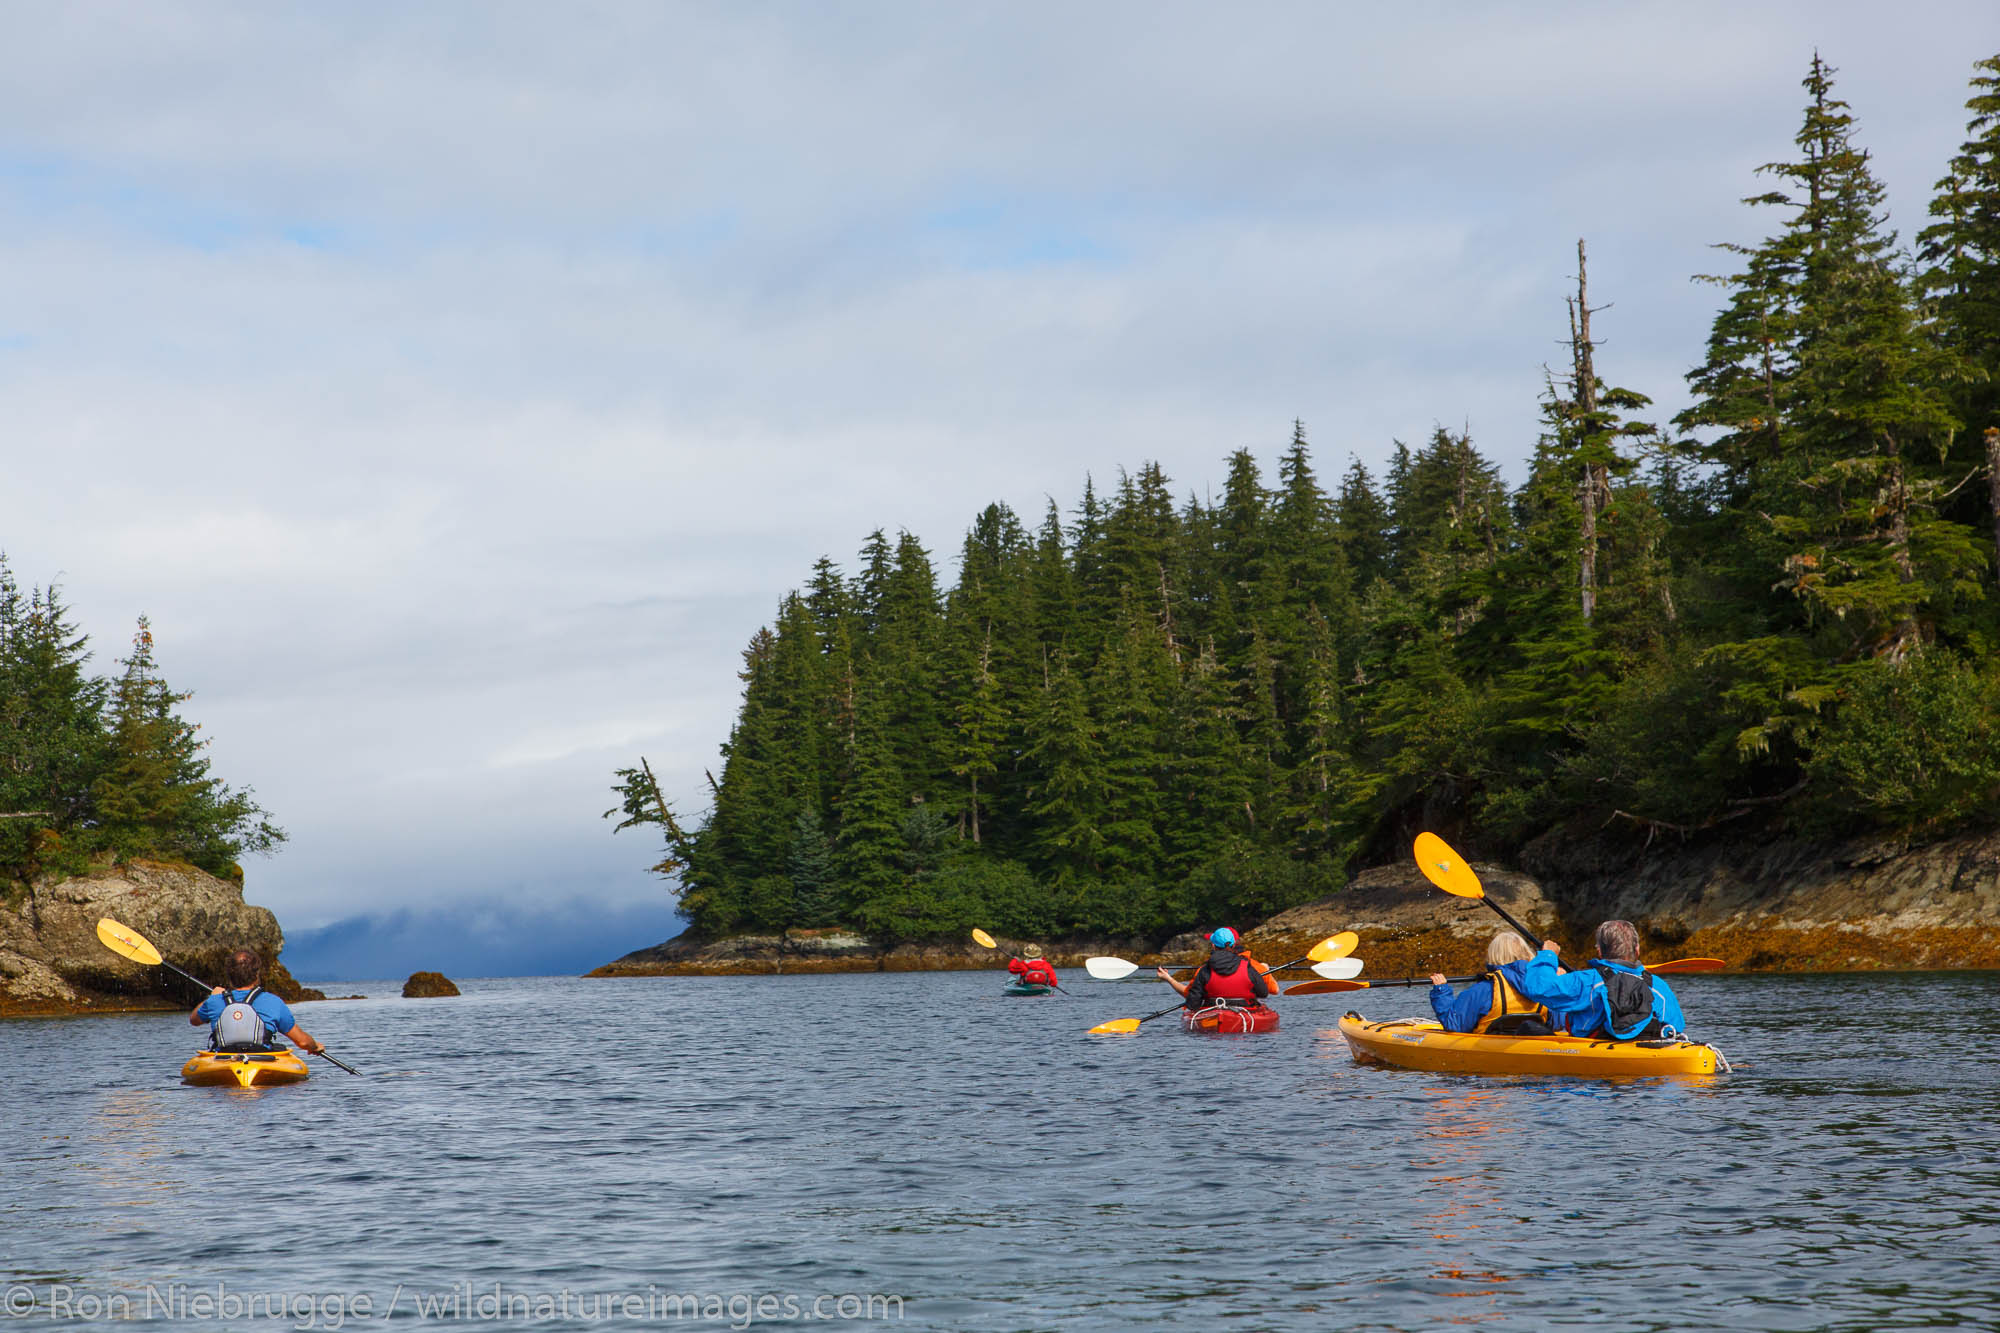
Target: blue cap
1223 937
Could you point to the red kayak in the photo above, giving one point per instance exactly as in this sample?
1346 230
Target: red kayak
1231 1017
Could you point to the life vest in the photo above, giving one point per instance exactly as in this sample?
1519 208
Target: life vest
1510 1011
1037 972
1628 1003
238 1027
1233 985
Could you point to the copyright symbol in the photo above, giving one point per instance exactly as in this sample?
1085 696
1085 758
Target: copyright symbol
20 1300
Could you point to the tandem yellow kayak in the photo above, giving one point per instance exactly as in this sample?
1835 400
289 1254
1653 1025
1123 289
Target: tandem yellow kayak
253 1069
1410 1044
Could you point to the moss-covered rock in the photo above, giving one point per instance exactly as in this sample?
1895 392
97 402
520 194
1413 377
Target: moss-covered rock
428 986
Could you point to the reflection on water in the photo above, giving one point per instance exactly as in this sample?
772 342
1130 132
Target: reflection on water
130 1158
996 1168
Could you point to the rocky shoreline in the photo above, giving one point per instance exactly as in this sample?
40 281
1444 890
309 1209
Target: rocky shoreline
52 964
1772 905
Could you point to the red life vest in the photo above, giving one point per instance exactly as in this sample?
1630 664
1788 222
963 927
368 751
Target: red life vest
1034 971
1236 986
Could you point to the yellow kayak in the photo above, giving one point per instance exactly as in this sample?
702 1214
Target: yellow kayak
1416 1045
255 1069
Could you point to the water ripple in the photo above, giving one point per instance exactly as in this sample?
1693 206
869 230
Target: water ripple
983 1159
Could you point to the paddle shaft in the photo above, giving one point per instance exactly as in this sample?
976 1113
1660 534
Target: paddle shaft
177 972
1379 983
1530 936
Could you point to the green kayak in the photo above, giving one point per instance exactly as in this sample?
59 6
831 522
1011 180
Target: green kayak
1025 988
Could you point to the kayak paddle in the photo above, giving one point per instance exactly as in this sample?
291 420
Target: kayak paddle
1117 969
1121 1025
126 942
1333 984
1349 966
1328 950
1447 869
985 941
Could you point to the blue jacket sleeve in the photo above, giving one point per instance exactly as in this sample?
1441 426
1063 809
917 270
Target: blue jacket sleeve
210 1009
1462 1012
1541 982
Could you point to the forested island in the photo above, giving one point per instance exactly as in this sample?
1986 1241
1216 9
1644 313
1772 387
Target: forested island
108 807
92 765
1772 615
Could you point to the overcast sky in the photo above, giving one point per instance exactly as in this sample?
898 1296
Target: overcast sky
459 386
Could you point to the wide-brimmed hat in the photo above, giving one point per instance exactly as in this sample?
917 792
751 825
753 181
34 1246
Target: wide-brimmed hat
1032 951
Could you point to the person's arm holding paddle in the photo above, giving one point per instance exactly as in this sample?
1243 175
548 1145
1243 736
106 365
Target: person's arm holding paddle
200 1013
1566 995
1180 987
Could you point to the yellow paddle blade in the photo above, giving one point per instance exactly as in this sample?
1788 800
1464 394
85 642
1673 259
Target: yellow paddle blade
1116 1025
126 942
983 940
1333 946
1446 868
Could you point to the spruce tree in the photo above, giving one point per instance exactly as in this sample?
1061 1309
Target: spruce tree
1361 524
873 799
815 887
155 795
52 741
1961 254
1067 792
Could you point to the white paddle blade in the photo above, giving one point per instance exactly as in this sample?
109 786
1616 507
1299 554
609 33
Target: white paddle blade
1109 969
1339 969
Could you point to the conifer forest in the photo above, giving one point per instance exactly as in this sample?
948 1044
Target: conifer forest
1775 611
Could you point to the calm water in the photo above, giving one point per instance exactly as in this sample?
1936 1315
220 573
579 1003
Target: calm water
918 1136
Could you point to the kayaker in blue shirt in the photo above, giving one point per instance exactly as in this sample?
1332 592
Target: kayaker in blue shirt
230 1028
1494 1003
1614 997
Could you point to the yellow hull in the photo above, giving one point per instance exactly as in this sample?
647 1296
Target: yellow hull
1428 1046
262 1069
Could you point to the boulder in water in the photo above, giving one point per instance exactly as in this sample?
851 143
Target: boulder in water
428 985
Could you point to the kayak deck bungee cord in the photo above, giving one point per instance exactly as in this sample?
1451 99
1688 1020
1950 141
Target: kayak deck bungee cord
1230 1018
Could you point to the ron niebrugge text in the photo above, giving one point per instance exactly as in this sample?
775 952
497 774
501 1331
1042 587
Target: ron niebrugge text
460 1301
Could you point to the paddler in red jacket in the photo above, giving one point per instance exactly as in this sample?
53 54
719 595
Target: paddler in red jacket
1229 974
1032 968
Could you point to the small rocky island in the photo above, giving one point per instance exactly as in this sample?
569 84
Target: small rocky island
428 986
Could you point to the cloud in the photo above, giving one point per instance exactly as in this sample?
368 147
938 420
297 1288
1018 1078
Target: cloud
458 387
515 939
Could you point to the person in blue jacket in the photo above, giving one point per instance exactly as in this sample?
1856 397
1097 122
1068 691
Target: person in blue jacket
1493 1003
1613 998
233 1029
